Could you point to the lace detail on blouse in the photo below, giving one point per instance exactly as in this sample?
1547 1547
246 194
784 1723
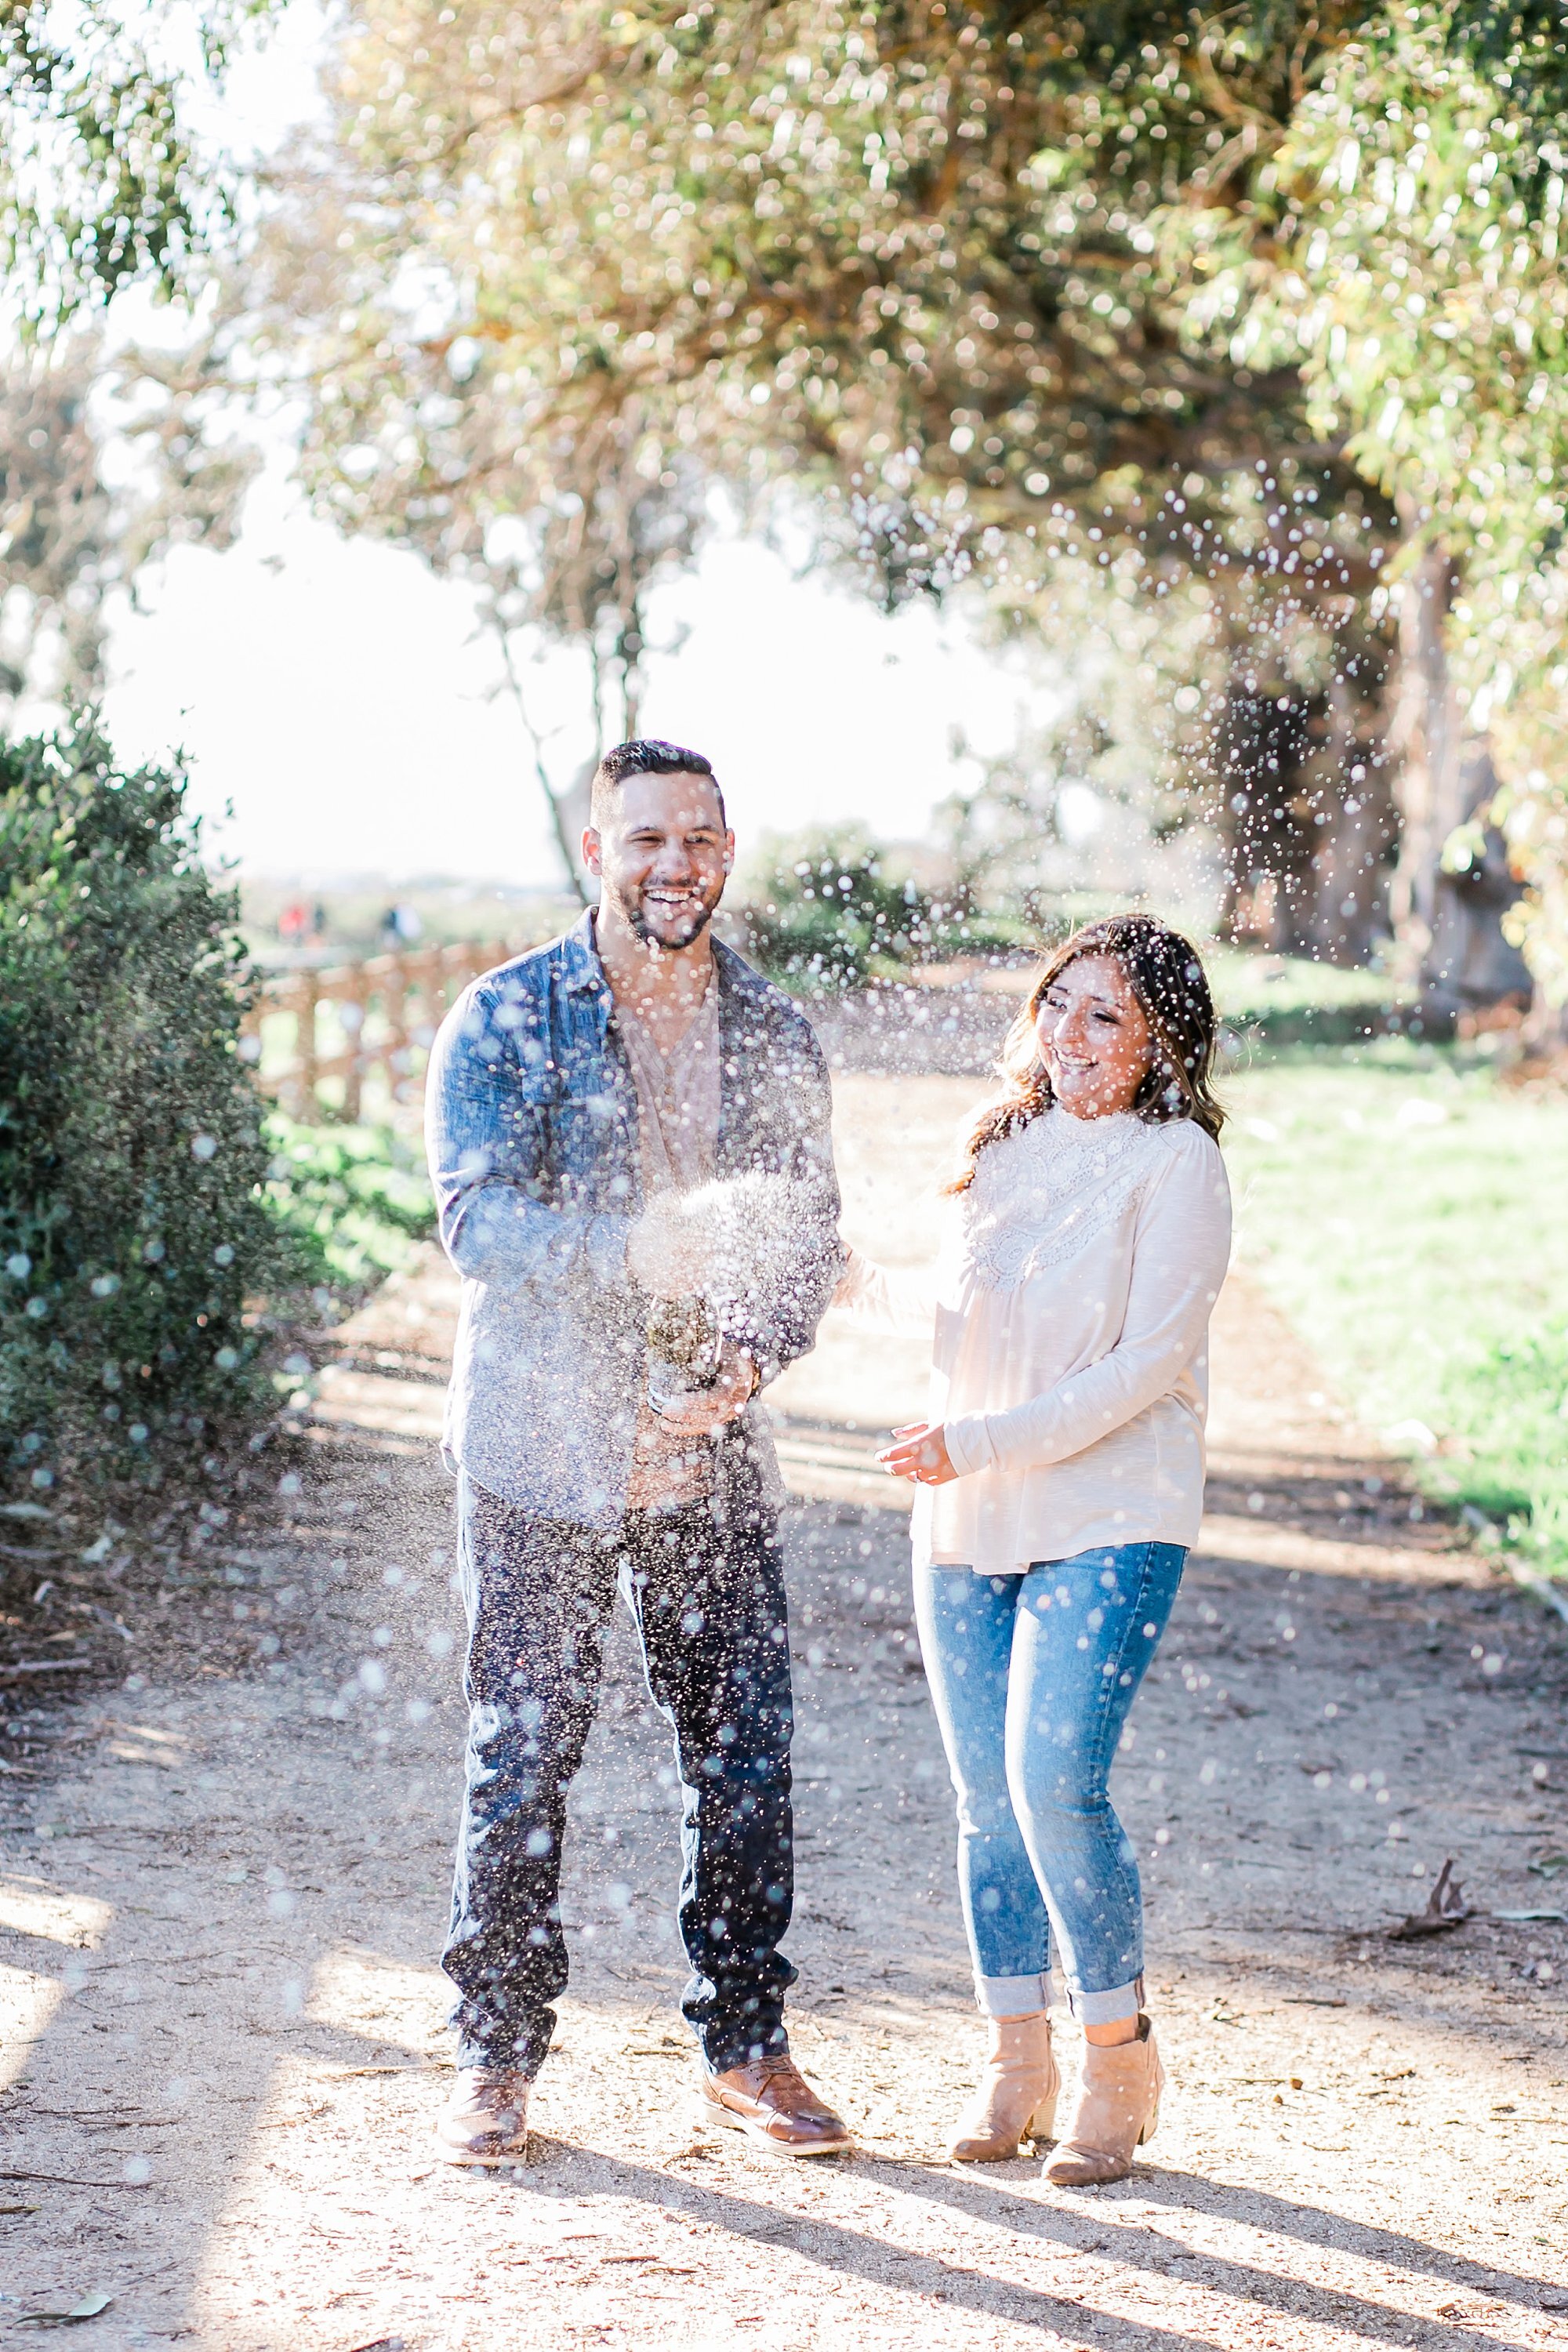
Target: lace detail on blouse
1039 1195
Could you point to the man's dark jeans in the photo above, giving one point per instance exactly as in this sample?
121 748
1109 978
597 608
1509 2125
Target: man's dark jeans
709 1599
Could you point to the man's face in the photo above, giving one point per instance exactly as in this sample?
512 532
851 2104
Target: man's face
663 856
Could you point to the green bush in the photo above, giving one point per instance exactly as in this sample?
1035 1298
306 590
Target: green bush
821 911
133 1220
355 1201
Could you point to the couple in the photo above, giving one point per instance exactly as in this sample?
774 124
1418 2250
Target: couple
592 1108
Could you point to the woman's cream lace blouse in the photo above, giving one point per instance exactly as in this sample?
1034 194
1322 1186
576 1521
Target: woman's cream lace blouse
1070 1354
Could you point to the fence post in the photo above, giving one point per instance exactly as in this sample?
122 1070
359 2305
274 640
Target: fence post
395 996
413 986
305 1043
353 1029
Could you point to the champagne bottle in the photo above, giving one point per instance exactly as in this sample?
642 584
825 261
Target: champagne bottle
685 1348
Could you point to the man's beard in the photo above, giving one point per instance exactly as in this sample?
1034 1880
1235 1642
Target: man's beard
642 929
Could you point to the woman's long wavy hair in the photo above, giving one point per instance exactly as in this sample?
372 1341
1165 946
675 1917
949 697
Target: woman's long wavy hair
1166 975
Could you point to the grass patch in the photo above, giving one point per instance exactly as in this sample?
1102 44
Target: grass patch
1405 1211
355 1199
1290 999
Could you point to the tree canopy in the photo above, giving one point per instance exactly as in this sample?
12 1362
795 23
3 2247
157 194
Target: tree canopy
71 538
99 185
1260 306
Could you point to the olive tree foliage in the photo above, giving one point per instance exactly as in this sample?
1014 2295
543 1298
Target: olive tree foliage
911 252
99 185
923 239
57 528
1114 720
562 526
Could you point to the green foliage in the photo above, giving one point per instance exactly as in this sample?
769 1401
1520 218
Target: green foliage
353 1199
99 185
1406 1212
819 911
913 259
910 254
73 533
1243 306
132 1223
822 910
1402 253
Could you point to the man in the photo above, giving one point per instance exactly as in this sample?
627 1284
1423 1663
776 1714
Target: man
576 1097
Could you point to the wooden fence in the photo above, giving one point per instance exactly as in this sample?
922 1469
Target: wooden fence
351 1022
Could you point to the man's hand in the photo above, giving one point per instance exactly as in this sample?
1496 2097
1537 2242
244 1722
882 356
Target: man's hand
709 1408
919 1452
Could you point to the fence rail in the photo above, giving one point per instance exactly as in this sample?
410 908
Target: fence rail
353 1021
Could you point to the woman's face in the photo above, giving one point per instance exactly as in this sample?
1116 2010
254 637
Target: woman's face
1095 1039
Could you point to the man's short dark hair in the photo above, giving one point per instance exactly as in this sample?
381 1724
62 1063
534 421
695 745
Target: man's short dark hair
647 756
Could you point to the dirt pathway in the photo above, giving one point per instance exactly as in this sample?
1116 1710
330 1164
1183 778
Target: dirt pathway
220 2018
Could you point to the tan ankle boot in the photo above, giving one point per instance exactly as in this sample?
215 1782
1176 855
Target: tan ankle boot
1117 2108
1016 2097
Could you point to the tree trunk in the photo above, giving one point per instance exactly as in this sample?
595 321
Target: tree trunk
557 806
1424 744
1342 791
561 827
1451 921
572 804
1306 819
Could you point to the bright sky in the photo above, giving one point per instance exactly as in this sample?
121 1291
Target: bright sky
338 696
335 696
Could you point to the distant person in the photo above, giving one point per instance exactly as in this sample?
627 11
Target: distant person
292 924
400 927
606 1439
1061 1480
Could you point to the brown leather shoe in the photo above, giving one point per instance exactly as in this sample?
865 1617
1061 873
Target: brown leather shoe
485 2121
769 2100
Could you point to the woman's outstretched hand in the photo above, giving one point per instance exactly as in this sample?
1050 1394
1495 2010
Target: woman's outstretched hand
918 1451
851 1280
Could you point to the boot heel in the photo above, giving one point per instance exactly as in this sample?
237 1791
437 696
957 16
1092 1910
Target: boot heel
1041 2128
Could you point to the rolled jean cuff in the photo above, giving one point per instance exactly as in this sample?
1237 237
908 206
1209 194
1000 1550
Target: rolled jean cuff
1012 1996
1108 2007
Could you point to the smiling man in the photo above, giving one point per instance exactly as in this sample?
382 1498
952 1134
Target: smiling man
576 1097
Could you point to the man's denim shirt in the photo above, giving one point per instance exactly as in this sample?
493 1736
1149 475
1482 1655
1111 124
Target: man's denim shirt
531 1128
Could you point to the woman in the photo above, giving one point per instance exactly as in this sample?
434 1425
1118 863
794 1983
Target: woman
1060 1480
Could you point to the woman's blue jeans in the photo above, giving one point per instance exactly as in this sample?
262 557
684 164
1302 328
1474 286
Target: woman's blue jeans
1032 1675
